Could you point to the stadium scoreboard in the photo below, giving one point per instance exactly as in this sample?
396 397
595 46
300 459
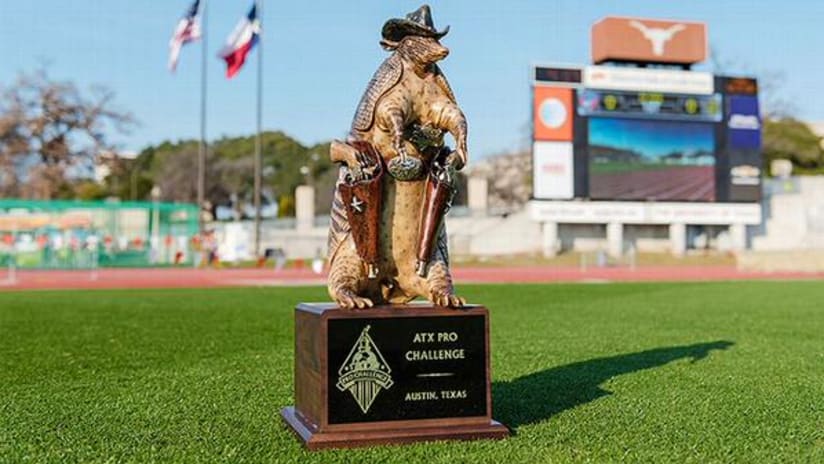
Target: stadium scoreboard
645 134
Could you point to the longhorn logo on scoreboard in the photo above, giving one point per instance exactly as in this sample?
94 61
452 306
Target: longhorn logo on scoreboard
648 40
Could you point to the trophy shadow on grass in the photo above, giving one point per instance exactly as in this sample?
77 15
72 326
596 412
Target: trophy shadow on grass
540 395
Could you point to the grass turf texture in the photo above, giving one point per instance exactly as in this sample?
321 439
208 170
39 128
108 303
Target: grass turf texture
635 372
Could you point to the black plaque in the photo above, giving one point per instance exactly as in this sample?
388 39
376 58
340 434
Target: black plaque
406 368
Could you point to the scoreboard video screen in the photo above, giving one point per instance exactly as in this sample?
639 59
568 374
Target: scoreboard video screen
635 134
631 159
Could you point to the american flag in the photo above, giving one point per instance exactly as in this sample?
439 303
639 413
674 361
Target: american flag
187 30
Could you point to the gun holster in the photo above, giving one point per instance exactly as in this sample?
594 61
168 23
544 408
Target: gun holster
440 188
363 201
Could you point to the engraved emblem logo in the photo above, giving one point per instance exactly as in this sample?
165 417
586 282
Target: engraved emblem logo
364 372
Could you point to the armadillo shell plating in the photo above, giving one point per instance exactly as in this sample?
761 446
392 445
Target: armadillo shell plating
386 77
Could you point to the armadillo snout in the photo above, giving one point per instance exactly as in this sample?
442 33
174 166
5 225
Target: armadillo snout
441 53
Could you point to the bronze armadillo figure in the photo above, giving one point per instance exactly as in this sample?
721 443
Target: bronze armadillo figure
404 114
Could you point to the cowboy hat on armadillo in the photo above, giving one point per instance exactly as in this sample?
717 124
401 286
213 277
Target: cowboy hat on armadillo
419 23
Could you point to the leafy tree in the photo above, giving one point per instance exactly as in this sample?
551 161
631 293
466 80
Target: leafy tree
788 138
172 166
89 190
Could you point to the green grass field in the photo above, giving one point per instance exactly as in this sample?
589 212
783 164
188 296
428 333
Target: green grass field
718 372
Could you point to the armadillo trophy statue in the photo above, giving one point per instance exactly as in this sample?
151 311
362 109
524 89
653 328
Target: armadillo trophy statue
387 240
399 371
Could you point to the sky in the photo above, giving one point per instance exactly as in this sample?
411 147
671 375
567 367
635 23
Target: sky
319 55
652 138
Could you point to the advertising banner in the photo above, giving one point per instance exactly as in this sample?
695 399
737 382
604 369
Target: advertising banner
602 212
649 80
552 113
650 105
553 176
744 122
744 148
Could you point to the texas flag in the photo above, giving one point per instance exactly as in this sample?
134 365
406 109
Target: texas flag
187 30
240 42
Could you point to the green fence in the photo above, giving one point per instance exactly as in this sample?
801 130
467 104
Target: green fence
88 234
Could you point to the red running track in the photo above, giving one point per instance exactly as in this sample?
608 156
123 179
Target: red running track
204 278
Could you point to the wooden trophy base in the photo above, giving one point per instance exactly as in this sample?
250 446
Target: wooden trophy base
391 374
318 441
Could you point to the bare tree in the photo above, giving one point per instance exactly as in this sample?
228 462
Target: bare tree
50 132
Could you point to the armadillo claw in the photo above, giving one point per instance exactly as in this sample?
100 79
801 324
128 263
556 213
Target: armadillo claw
348 300
447 300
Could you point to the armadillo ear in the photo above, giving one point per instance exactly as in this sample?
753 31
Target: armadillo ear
389 44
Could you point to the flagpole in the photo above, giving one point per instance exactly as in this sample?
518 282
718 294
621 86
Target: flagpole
259 8
201 152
